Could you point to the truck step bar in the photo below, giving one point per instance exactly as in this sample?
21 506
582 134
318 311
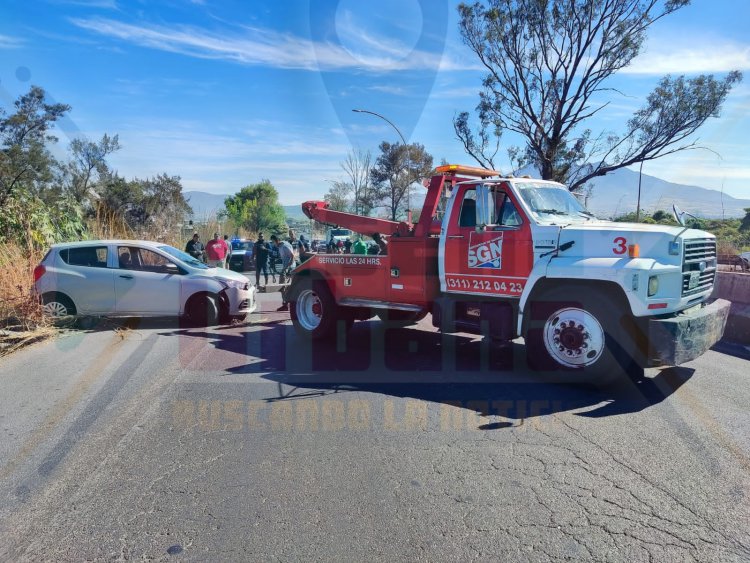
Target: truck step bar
354 302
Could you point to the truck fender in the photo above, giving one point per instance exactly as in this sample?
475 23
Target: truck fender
538 273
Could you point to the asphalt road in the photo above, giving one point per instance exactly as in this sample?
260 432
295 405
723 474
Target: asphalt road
246 443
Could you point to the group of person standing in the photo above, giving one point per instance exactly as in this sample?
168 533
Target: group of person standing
215 253
358 247
262 254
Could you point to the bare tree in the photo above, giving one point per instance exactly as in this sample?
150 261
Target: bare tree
548 63
357 167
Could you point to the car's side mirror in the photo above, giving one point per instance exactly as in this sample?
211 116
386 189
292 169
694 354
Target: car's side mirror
171 268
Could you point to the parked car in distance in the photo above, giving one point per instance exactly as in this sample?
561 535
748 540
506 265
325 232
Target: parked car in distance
241 258
138 278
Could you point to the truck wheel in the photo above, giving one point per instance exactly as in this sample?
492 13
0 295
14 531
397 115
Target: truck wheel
313 309
394 317
577 331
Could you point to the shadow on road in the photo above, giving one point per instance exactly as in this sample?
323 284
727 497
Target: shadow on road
416 363
458 370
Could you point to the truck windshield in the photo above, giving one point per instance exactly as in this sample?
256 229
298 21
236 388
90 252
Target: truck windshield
552 204
341 232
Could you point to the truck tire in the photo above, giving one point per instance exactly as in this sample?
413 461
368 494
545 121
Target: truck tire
313 309
576 332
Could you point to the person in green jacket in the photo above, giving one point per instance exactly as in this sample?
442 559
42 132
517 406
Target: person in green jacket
359 247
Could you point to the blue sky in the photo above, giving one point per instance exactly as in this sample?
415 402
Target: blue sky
227 93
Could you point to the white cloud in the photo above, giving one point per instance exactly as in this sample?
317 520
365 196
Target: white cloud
107 4
296 164
264 47
704 56
395 90
8 42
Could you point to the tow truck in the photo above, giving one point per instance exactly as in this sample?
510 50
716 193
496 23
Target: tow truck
507 257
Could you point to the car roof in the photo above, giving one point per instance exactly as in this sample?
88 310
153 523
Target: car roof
99 242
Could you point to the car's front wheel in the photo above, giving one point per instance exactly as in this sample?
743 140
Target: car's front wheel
203 310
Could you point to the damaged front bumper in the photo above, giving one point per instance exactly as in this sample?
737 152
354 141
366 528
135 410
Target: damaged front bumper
685 336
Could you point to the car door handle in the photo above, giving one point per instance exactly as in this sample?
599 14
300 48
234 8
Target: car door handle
455 236
126 276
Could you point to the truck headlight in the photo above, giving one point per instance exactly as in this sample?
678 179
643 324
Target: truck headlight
653 285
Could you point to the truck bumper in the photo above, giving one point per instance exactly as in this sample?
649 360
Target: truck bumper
685 336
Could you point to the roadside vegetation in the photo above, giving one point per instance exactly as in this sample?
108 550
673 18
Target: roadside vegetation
46 199
732 235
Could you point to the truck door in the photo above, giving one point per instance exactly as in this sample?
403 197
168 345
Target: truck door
486 248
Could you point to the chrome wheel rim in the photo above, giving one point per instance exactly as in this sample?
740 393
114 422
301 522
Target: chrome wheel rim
574 338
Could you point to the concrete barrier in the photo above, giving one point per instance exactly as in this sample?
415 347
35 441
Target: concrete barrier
735 287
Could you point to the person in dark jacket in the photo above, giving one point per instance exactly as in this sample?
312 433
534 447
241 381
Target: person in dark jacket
260 250
195 248
382 244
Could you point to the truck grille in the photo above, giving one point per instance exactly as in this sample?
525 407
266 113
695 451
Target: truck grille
698 266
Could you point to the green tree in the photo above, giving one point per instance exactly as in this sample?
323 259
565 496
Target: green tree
256 208
395 170
153 207
337 195
745 224
549 62
89 164
25 161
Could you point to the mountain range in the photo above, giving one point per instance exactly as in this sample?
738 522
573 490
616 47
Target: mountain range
612 195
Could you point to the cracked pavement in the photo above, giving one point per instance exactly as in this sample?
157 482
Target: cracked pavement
166 443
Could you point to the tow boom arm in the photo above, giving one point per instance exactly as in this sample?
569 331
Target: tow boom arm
319 211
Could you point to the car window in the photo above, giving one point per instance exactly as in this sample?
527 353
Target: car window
92 256
142 259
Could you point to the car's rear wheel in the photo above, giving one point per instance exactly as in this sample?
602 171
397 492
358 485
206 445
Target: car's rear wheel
57 305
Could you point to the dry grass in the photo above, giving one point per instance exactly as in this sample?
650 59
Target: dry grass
21 319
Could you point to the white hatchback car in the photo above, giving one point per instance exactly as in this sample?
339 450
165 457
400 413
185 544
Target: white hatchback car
138 278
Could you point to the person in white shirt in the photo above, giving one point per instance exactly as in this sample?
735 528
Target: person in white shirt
286 253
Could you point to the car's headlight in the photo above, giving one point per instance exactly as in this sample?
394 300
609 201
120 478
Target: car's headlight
236 284
653 285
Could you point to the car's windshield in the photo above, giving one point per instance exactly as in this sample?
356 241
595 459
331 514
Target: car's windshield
242 245
341 232
183 257
552 204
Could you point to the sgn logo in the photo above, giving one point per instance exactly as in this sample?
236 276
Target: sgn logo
486 253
